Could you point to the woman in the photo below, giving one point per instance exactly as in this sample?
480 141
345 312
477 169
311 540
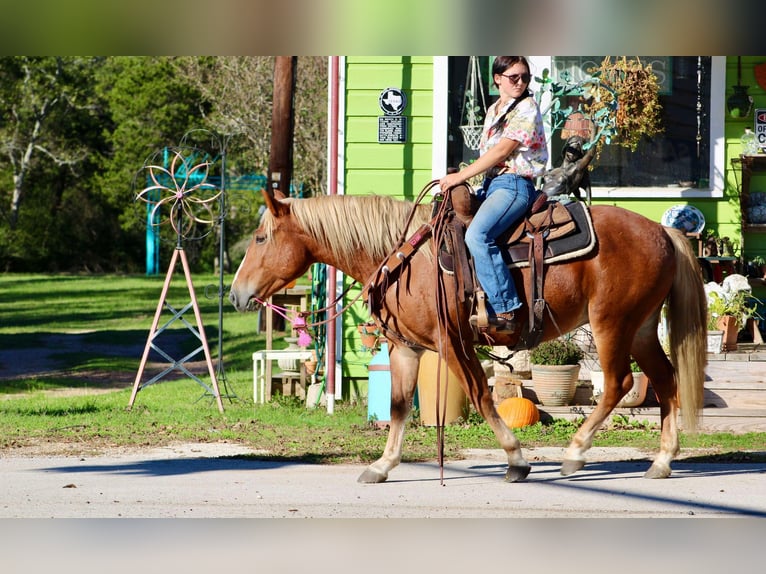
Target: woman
513 153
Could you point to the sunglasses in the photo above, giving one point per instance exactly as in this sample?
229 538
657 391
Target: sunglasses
514 78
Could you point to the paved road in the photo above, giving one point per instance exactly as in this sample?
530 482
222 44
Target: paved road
197 481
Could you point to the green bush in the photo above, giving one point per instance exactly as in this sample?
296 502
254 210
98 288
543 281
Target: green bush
556 352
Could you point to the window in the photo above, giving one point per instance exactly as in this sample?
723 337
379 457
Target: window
679 157
685 160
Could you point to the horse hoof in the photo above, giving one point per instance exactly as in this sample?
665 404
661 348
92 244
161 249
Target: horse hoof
571 466
370 476
517 473
656 471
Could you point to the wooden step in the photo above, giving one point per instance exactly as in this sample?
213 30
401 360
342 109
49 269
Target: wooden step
713 419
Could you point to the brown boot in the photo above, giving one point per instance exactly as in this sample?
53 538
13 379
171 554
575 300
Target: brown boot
502 323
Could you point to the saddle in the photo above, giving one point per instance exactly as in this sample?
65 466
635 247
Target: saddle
550 232
567 229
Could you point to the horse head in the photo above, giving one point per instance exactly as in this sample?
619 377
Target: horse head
273 258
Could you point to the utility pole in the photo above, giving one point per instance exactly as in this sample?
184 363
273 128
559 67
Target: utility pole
281 151
282 125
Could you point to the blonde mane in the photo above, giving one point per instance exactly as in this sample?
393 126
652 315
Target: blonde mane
347 224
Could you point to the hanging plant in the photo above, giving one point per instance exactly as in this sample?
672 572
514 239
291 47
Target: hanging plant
474 105
629 90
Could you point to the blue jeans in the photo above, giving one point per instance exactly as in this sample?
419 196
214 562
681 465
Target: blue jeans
505 199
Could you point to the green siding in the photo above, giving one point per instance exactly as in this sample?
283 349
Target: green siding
755 242
399 170
387 182
364 102
364 130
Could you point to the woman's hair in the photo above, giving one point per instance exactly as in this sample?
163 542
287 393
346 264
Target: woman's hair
502 63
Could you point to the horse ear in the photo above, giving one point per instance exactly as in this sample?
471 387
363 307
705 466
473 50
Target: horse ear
274 202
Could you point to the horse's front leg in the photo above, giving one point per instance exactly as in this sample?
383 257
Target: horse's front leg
404 378
476 387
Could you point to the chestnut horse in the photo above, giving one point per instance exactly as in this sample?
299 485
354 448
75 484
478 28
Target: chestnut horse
619 289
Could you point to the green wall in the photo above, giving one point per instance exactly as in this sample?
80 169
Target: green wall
755 242
399 170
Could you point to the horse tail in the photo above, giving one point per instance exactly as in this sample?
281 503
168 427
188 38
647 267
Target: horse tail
687 317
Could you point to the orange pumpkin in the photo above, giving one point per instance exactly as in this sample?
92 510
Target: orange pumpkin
518 412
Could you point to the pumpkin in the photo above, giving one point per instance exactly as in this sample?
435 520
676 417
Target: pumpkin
518 412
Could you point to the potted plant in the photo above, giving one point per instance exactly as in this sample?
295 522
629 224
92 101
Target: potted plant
727 313
555 366
634 397
629 91
369 335
714 334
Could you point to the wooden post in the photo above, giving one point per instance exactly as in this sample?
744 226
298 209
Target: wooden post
282 125
281 151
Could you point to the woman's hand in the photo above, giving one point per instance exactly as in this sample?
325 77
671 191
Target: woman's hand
451 180
492 157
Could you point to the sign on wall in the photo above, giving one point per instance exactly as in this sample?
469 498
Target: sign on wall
392 127
759 125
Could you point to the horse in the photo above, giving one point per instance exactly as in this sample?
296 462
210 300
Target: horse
620 288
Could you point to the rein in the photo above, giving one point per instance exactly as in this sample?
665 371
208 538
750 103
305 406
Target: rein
389 271
299 322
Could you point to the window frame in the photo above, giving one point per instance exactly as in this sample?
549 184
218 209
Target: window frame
717 142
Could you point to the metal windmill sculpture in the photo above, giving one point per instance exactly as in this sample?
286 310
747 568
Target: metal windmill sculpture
181 196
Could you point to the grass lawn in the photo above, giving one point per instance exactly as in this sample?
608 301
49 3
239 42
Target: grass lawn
75 343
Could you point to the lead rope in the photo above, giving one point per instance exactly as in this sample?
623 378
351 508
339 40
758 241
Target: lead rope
299 323
439 222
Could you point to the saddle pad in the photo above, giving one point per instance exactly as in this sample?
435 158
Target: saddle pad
579 243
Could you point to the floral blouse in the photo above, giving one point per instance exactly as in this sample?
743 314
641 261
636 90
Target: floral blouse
525 125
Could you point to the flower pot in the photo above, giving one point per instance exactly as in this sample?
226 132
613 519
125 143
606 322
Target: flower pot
636 395
368 335
714 341
290 365
728 324
555 385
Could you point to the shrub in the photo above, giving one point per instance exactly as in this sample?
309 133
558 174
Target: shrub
556 352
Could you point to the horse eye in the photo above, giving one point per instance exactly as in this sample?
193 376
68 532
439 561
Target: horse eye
259 239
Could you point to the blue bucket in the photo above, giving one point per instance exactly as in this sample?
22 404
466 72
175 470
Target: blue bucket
379 387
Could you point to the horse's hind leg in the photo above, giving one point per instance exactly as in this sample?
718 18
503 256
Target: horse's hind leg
614 355
655 364
404 376
647 351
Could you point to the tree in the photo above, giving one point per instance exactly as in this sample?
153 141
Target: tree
75 132
150 107
240 89
37 95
